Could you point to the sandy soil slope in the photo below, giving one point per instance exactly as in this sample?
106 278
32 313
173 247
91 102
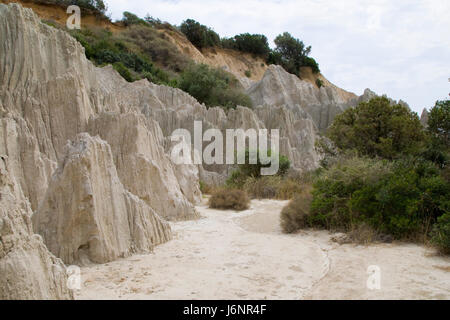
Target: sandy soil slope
229 255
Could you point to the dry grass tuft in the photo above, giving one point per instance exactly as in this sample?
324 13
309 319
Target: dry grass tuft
229 199
295 215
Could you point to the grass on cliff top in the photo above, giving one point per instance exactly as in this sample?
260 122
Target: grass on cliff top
142 52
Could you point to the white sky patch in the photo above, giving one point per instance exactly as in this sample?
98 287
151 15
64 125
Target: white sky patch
400 48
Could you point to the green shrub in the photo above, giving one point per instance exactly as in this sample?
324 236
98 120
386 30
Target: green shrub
248 74
378 128
256 44
254 170
123 71
248 177
131 19
229 199
319 83
158 49
97 7
292 54
51 23
312 63
122 50
295 215
199 35
213 87
439 122
236 179
441 233
400 198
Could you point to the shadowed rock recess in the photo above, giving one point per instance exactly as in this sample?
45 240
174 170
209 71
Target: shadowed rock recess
84 154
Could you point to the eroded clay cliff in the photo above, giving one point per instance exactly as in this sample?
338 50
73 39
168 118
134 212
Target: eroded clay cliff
88 215
27 269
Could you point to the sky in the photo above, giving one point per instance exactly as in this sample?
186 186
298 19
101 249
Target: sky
400 48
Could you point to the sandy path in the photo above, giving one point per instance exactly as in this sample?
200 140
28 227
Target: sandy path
229 255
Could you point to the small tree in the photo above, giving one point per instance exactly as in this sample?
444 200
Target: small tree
199 35
439 122
378 129
130 19
292 52
252 43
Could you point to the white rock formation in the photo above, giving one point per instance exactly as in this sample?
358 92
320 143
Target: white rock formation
28 271
88 215
280 88
144 168
50 93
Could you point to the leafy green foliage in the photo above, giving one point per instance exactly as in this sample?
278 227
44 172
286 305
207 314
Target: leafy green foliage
199 35
213 87
256 44
439 122
123 71
247 170
401 198
312 63
156 47
292 54
401 184
92 6
438 144
319 83
441 233
102 47
132 19
378 128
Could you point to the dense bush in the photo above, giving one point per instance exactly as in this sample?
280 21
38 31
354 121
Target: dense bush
91 6
199 35
256 44
295 215
254 170
123 71
312 63
102 47
378 128
292 54
401 198
441 233
229 199
213 87
319 83
132 19
439 122
239 176
153 44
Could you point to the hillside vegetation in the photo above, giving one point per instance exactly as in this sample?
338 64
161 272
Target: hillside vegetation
144 48
383 173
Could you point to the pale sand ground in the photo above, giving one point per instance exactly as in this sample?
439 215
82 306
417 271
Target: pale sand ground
230 255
